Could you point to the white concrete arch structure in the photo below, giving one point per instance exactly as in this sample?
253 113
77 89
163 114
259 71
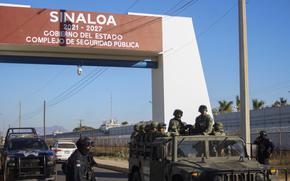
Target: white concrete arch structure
165 44
179 81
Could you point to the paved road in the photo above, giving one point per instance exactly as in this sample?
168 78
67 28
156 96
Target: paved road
101 175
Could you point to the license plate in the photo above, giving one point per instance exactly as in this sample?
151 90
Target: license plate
67 152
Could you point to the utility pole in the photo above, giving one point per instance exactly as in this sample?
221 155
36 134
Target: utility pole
244 82
81 127
111 108
19 114
44 127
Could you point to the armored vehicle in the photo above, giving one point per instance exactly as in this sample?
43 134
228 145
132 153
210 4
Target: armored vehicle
26 156
190 158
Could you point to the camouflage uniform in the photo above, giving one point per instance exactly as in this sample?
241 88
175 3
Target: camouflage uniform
161 130
140 136
218 129
203 123
152 133
135 132
175 124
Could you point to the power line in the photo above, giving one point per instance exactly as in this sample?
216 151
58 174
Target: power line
77 90
216 21
76 85
132 5
72 90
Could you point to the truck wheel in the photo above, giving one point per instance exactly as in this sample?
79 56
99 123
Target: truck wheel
135 176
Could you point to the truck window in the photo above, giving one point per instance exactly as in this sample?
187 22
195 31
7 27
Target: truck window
27 145
190 148
226 148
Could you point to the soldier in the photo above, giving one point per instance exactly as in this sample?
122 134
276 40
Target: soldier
218 129
203 123
135 132
80 163
151 131
140 136
175 124
161 130
264 148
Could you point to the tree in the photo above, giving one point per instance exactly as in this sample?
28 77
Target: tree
83 128
238 103
124 123
280 103
225 106
215 111
258 104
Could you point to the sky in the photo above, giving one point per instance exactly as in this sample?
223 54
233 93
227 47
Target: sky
125 93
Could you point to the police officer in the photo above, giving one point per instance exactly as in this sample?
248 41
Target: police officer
175 124
264 148
218 129
80 163
203 123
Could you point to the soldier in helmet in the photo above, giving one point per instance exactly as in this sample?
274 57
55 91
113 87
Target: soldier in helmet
136 131
218 129
264 148
203 123
152 133
80 163
175 124
162 130
140 136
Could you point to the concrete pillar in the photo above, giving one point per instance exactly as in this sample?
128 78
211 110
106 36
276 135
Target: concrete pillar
179 82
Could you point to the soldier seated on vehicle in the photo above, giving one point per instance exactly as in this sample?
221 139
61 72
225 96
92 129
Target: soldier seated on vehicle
218 129
153 131
135 132
203 123
141 133
162 130
175 124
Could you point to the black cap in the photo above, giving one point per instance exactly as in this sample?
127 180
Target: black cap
83 142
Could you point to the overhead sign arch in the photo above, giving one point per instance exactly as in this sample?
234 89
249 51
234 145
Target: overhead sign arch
165 44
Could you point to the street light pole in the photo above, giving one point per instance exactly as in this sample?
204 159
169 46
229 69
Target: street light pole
244 82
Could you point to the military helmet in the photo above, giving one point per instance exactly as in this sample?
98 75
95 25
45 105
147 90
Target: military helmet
154 124
263 133
177 111
218 126
161 125
141 126
136 127
202 108
148 127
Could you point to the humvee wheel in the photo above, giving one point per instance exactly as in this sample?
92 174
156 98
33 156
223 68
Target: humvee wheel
135 176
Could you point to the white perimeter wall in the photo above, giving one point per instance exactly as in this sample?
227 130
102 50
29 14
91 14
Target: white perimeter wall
179 82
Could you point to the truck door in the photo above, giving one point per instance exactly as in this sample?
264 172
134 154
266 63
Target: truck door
156 164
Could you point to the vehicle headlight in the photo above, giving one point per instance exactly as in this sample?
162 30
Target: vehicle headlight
10 161
195 173
273 171
9 158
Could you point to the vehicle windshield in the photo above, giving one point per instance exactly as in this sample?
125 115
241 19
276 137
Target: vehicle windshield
66 145
190 148
29 144
226 148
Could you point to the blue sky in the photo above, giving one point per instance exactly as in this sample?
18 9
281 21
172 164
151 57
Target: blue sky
216 26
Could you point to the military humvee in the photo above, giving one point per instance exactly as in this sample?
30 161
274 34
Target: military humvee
190 158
